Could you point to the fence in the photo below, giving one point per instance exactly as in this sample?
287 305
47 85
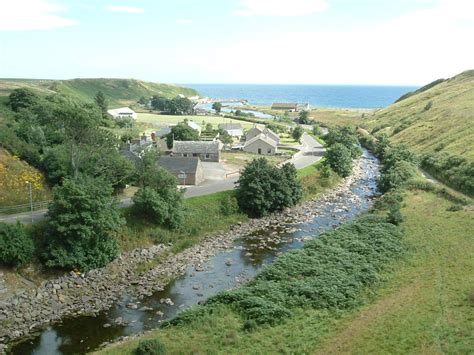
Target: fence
24 207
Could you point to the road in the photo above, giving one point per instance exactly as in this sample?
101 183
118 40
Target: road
310 152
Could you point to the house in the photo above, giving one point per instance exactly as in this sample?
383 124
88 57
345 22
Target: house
206 151
194 125
282 106
133 148
235 130
188 171
258 129
122 112
303 107
163 131
261 144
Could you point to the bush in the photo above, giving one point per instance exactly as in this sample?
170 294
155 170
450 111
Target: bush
339 158
346 136
395 216
249 325
264 188
229 206
150 347
454 208
158 198
16 246
82 226
396 176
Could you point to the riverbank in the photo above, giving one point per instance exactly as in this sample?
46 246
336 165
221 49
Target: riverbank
424 302
66 296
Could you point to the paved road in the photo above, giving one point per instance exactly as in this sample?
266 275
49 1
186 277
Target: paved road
310 152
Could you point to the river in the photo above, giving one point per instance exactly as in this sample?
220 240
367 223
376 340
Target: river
225 270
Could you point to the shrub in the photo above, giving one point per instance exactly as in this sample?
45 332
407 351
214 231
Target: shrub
396 176
297 133
249 325
428 106
82 226
454 208
339 158
229 206
346 136
264 188
395 216
150 347
16 246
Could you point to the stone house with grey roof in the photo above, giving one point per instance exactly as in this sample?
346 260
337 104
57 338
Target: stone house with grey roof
206 151
258 129
235 130
261 144
188 171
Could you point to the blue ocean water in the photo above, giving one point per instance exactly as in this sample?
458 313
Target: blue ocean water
340 96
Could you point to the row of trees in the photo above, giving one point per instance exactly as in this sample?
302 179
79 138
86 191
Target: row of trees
175 106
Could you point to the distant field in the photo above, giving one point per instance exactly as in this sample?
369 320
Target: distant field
154 119
338 116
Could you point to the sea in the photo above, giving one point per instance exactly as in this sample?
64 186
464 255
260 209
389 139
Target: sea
333 96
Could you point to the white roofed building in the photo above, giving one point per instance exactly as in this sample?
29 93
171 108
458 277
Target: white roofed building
122 112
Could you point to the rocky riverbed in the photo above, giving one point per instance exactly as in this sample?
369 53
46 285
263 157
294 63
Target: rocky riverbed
77 294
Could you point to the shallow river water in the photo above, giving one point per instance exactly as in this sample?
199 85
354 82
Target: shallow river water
225 270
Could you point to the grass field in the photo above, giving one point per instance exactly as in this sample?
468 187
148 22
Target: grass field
440 118
338 117
152 120
241 159
425 304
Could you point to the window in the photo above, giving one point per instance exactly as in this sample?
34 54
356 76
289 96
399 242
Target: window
185 155
195 154
208 156
269 151
259 150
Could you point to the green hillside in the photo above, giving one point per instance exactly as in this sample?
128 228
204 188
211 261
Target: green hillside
440 118
118 91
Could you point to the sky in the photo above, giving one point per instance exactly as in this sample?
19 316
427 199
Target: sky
359 42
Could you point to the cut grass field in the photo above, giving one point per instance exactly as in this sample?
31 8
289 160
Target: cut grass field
425 303
153 119
338 117
240 159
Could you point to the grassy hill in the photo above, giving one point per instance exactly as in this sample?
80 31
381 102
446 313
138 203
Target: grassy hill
118 91
438 117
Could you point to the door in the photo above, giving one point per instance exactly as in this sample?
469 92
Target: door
259 150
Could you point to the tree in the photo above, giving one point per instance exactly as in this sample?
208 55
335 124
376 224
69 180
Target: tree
217 106
16 246
225 137
22 99
159 103
180 106
303 117
297 133
143 100
181 132
101 102
82 226
317 130
346 136
158 197
339 158
209 127
264 188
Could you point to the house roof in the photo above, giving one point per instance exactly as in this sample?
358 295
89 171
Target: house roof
199 147
229 126
285 105
266 131
121 111
261 137
179 164
193 125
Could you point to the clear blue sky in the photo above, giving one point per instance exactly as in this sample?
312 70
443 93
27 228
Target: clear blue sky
238 41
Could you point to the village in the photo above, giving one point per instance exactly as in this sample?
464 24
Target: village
217 153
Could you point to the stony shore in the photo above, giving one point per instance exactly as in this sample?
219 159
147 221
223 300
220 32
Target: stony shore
80 294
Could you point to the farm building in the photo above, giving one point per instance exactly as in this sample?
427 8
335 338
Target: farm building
234 129
258 129
122 112
194 125
188 171
282 106
206 151
261 144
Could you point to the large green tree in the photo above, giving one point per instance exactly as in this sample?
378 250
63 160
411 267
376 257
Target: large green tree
303 117
346 136
21 99
264 188
297 133
82 226
180 106
339 158
158 199
101 103
217 106
181 132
